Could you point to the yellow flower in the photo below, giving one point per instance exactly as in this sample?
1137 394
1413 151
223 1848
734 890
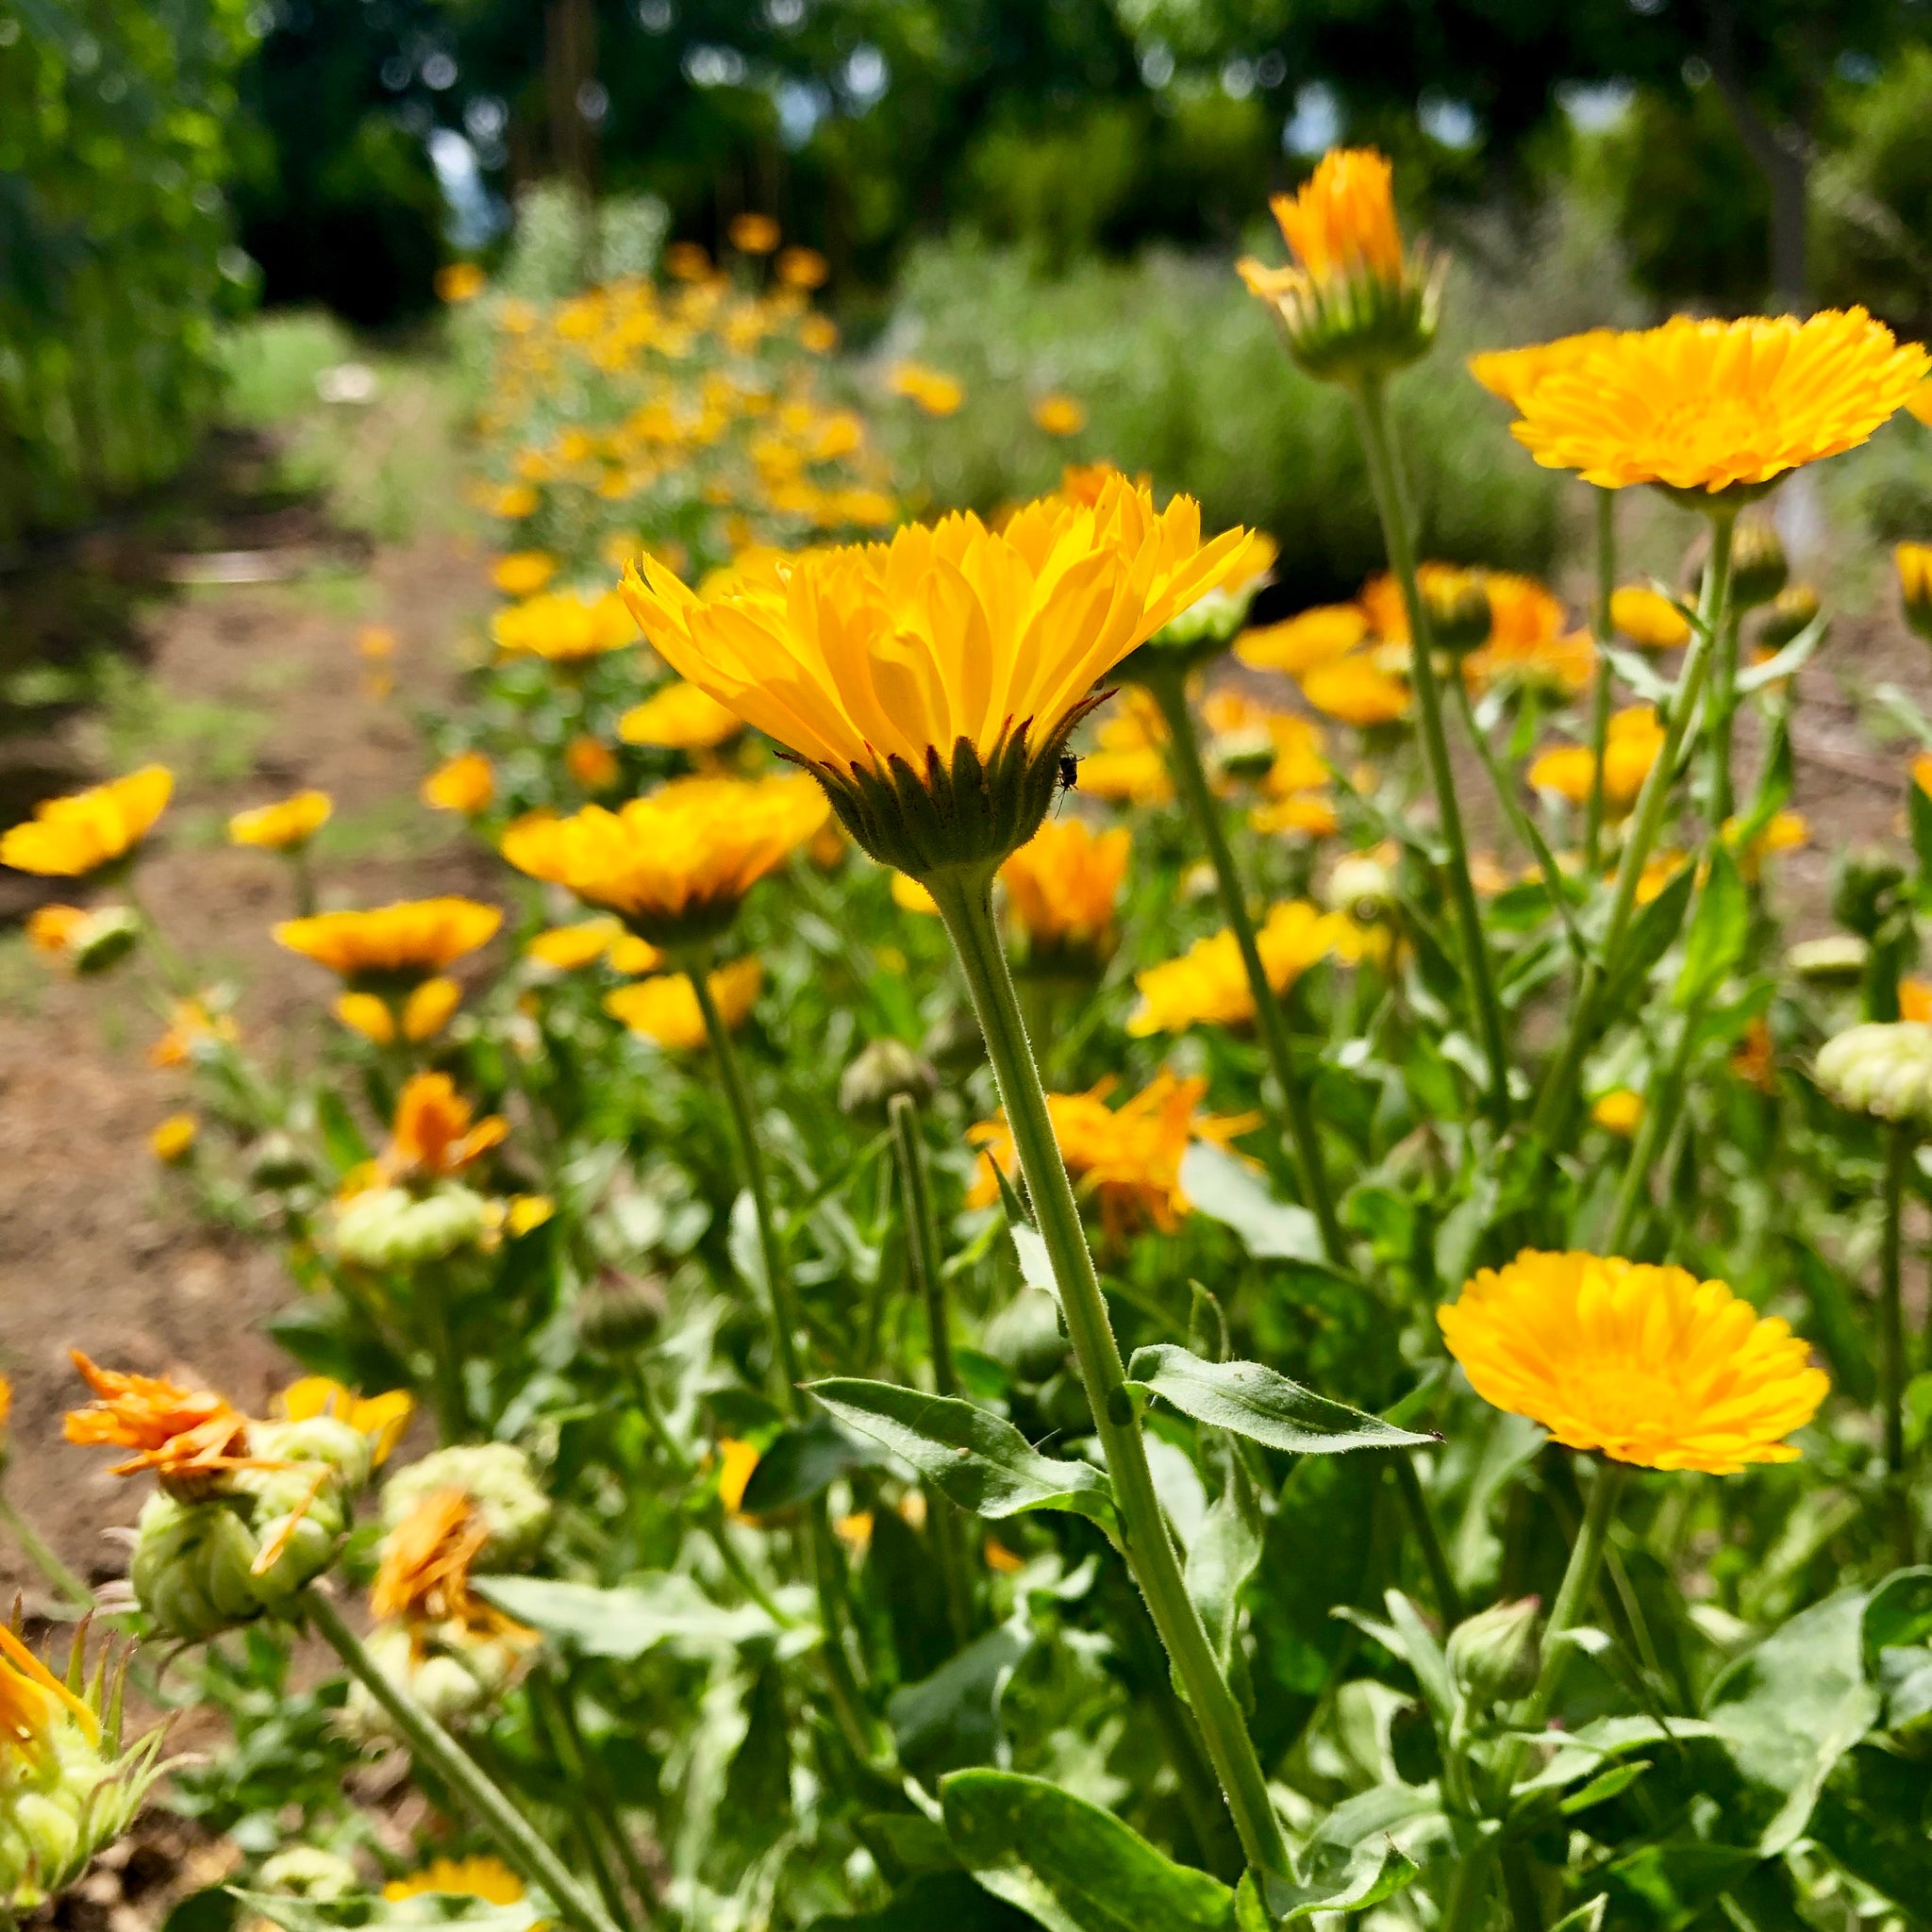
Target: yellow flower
192 1030
284 825
591 762
55 929
515 501
563 627
753 234
523 573
679 718
818 335
368 1014
630 954
1648 618
1354 303
1306 815
524 1213
1649 1365
1059 415
1914 565
1786 832
466 783
381 1418
666 1010
483 1877
1297 644
1922 772
1061 889
460 282
736 1462
434 1135
1618 1112
429 1007
908 895
398 944
68 838
686 261
565 948
1128 1158
1208 985
1129 765
170 1141
954 660
1705 404
1630 748
936 393
674 865
803 268
1356 690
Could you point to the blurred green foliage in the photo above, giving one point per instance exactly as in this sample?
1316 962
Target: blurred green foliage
114 250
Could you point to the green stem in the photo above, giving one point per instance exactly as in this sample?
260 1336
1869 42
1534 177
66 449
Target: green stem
1572 1594
1718 727
1422 1522
923 1256
1371 410
1560 1086
431 1296
546 1714
1600 697
603 1799
1892 1344
42 1555
511 1832
1169 691
965 904
1660 1115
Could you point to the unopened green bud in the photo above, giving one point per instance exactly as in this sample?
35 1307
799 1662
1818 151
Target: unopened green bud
497 1478
1457 602
390 1228
1794 607
1837 961
1361 886
308 1872
1026 1336
885 1069
1758 569
107 938
1245 756
618 1313
448 1670
1865 890
276 1163
1880 1068
1490 1653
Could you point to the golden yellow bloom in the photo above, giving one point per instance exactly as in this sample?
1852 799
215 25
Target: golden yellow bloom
524 1213
953 659
1129 763
523 573
675 865
396 945
436 1135
908 895
1060 415
563 627
484 1878
284 825
515 501
193 1029
566 947
1354 302
68 838
591 762
1298 643
1208 984
368 1014
736 1462
1705 404
1648 618
1356 690
429 1007
679 718
466 783
1128 1158
803 268
460 282
381 1418
174 1431
1514 373
1618 1112
936 393
1630 748
54 929
1922 771
818 335
1061 890
753 234
1915 999
173 1138
630 954
1914 565
1786 832
665 1008
1304 814
1648 1365
686 261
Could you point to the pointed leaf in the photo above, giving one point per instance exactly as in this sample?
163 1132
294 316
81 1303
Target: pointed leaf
1250 1400
1717 936
1786 662
982 1463
1072 1866
1225 1552
1586 1918
1222 1188
1336 1878
627 1621
801 1461
1649 938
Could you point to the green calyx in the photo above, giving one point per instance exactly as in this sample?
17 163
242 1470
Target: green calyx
1363 329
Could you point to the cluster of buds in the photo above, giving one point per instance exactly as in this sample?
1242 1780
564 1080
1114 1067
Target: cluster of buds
452 1652
408 1206
247 1512
1879 1069
68 1788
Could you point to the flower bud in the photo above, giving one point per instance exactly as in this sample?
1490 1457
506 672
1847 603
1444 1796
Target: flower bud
1837 961
954 1041
1865 891
618 1313
448 1670
1026 1336
388 1227
1245 756
1362 887
308 1872
1914 565
1758 569
885 1069
496 1477
1490 1653
1790 611
277 1164
1457 602
1880 1068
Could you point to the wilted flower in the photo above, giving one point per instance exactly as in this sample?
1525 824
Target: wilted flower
665 1008
391 948
284 826
76 836
1061 890
1128 1158
466 783
1649 1365
1880 1068
679 718
1208 985
674 866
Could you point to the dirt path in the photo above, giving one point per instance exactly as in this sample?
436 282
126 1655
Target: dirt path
250 692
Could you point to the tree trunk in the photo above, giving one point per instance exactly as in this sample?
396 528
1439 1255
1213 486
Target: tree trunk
570 67
1783 155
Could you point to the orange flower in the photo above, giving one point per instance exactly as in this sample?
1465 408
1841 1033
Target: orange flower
403 942
53 929
1059 415
753 234
193 1031
665 1008
425 1574
178 1433
68 838
1357 690
803 268
591 762
1061 889
433 1138
466 783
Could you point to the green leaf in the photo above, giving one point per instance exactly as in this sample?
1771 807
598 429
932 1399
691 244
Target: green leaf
341 1136
800 1462
979 1461
948 1719
426 1908
1717 936
1336 1878
1036 1264
1225 1552
1072 1866
1789 1710
1249 1400
932 1901
1586 1918
1650 936
1786 663
629 1620
1872 1819
1225 1190
1919 812
1634 670
1604 1786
